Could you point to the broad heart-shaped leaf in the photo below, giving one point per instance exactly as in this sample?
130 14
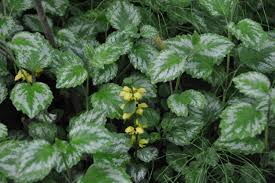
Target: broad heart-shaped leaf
250 33
35 161
8 26
220 8
100 76
181 130
57 7
42 130
3 131
87 132
137 172
68 155
31 98
33 52
242 120
167 66
260 60
142 55
244 146
208 50
148 31
71 76
3 91
253 84
141 81
116 160
107 99
147 154
150 118
123 15
101 173
178 103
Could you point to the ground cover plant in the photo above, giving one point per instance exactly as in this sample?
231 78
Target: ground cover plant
121 91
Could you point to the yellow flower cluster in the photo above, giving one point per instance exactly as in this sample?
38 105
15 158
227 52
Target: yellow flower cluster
135 131
129 94
25 76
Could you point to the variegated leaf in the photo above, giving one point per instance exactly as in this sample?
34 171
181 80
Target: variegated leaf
33 52
250 33
17 6
42 130
148 31
179 103
253 84
87 132
3 92
57 7
167 66
142 55
244 146
3 132
101 76
68 155
106 173
147 154
35 161
107 99
31 99
70 76
141 81
8 26
123 15
242 120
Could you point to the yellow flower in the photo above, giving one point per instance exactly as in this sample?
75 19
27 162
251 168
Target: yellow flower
139 130
138 93
137 122
122 106
140 108
126 116
141 91
127 89
130 130
24 75
126 95
38 72
143 142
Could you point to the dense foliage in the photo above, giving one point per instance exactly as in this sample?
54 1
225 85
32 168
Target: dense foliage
120 91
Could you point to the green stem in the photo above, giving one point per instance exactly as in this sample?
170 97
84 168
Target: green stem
171 87
177 84
4 7
227 71
67 168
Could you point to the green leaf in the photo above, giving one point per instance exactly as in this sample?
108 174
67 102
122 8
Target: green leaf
178 103
195 174
123 15
244 146
33 22
16 6
3 92
141 81
42 130
251 173
147 154
176 158
35 161
130 107
68 155
253 84
107 99
108 53
100 173
32 50
8 26
3 131
250 33
142 55
167 66
57 7
87 132
9 151
150 118
181 131
101 76
220 8
71 76
148 31
3 66
31 99
242 120
116 160
137 172
260 60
